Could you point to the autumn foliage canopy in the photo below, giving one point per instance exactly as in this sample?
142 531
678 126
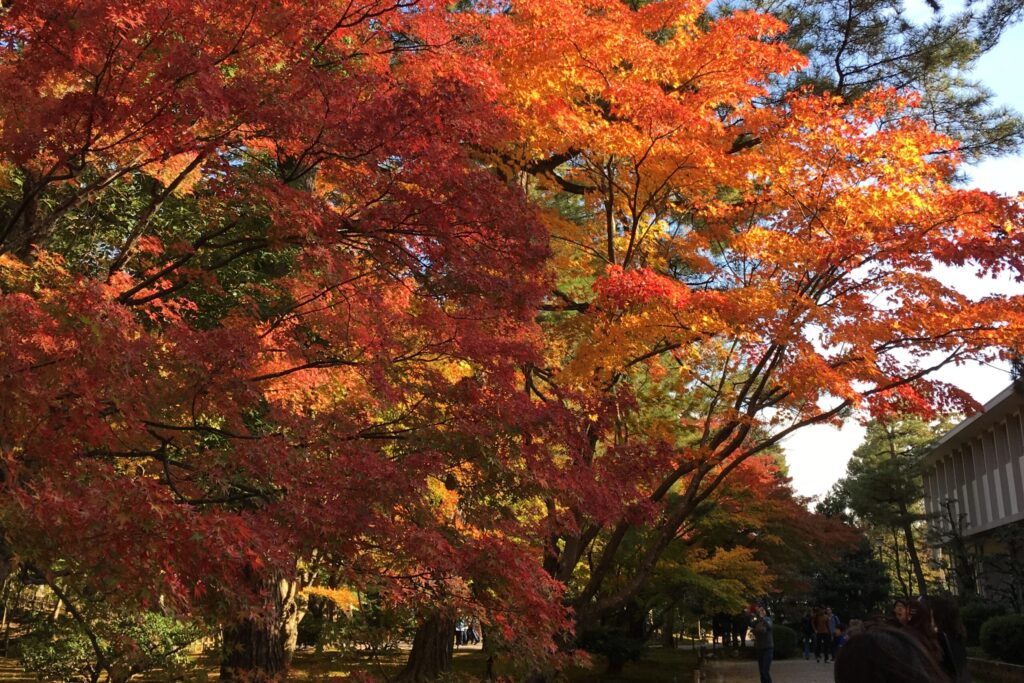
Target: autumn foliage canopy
476 303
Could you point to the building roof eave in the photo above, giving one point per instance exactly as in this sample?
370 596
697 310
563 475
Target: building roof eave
993 410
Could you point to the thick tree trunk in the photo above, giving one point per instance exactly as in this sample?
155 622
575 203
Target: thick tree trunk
432 651
668 628
19 234
254 650
260 650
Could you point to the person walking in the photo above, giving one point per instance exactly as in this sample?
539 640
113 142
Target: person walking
822 641
475 631
460 632
834 629
740 625
721 628
952 638
764 643
807 635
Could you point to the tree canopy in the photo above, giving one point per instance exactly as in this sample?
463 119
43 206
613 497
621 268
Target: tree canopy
478 305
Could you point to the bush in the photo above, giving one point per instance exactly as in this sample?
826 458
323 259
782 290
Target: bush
131 643
58 654
976 613
1003 638
787 642
311 630
616 644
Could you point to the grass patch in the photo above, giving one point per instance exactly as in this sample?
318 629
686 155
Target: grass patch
656 666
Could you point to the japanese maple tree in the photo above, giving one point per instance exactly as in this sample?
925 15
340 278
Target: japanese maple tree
760 265
256 299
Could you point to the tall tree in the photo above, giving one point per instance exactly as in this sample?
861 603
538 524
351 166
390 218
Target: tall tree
857 585
884 487
256 299
759 266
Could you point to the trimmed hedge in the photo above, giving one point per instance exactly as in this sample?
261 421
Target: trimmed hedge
787 642
1003 638
977 612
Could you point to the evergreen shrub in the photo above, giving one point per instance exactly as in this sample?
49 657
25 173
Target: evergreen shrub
787 642
1003 638
977 612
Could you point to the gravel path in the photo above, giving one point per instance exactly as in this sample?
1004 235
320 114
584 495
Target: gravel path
786 671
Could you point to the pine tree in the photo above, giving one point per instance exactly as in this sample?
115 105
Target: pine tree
855 46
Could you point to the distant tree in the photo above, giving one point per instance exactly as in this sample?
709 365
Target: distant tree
855 586
1006 568
756 540
835 504
950 536
883 488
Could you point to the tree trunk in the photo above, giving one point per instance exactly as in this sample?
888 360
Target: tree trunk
898 564
915 560
432 651
905 524
635 620
253 651
260 650
668 629
19 234
292 611
4 623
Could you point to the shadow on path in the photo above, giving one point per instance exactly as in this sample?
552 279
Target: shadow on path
785 671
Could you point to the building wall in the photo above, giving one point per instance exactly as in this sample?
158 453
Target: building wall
979 468
1001 565
976 473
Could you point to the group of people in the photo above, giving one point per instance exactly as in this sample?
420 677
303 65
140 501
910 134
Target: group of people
467 631
822 634
922 641
730 629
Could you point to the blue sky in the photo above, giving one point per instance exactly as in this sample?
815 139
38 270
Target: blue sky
817 456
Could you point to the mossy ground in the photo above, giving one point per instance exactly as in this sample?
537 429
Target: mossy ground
657 666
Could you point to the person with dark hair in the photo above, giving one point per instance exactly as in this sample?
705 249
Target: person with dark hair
834 627
807 635
721 626
900 612
764 643
886 654
952 638
740 625
922 627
